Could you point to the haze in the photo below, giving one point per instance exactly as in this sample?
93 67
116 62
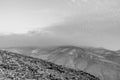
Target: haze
60 22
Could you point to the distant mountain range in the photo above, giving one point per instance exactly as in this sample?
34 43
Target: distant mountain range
100 62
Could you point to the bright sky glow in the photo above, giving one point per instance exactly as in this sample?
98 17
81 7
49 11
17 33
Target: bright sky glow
17 23
22 16
22 22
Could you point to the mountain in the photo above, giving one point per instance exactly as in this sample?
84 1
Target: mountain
15 66
100 62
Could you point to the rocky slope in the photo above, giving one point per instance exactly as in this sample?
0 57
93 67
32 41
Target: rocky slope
100 62
15 66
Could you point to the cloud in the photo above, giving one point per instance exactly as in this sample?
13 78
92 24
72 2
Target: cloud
96 6
91 23
101 30
17 40
87 24
40 32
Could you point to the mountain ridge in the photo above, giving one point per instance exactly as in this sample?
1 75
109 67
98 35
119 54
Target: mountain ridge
100 62
15 66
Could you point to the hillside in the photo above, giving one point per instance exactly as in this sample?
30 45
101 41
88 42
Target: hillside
100 62
15 66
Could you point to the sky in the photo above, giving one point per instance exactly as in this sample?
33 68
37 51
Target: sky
60 22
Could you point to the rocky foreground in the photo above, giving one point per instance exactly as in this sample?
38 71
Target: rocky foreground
20 67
